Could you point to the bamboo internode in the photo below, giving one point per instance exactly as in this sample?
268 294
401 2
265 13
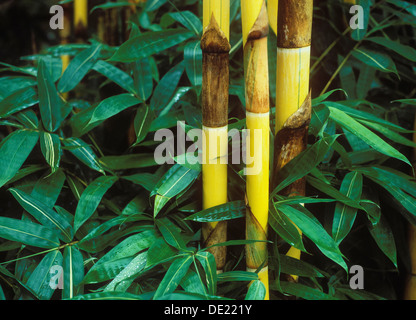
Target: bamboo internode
215 74
255 27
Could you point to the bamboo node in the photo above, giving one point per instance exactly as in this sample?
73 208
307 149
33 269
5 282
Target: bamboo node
214 39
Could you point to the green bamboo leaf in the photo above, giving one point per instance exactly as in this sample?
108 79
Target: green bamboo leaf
171 233
108 295
110 5
159 251
83 152
383 236
359 34
193 283
45 215
411 102
166 88
129 161
73 270
112 106
256 291
227 211
314 231
304 292
124 279
176 180
344 216
293 266
189 20
29 233
302 164
173 276
365 134
319 119
120 256
91 198
146 180
363 115
19 284
193 62
403 50
50 146
152 5
285 229
237 275
11 84
28 118
375 59
143 80
390 134
149 43
142 122
115 74
365 81
50 103
42 277
207 261
332 192
17 101
14 150
78 68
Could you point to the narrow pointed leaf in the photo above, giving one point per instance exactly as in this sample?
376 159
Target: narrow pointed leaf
73 269
365 134
50 146
149 43
91 198
14 150
78 68
29 233
173 276
50 103
45 215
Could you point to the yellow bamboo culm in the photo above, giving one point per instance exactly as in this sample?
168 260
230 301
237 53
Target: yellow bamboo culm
293 105
272 9
255 26
410 285
81 19
65 35
215 48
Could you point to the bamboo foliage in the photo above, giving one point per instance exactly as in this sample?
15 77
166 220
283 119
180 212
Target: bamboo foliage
215 47
293 99
255 30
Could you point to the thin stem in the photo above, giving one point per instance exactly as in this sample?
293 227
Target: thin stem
340 67
331 46
39 253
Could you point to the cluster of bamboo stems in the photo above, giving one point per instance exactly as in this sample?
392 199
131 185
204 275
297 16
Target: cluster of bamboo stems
292 23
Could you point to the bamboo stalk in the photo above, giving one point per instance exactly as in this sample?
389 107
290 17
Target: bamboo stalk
215 47
293 99
81 20
410 285
65 35
255 26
